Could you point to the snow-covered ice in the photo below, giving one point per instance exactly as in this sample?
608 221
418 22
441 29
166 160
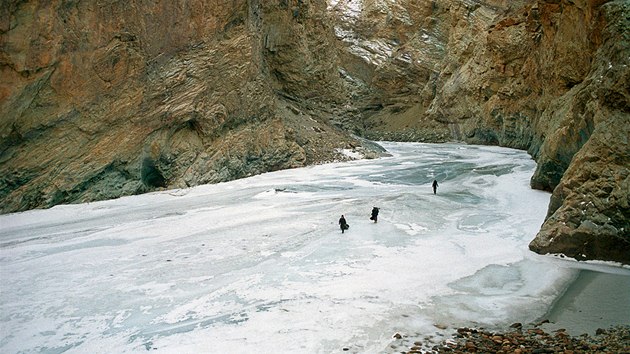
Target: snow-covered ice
260 265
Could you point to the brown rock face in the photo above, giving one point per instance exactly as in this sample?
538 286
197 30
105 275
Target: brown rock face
110 98
104 99
589 212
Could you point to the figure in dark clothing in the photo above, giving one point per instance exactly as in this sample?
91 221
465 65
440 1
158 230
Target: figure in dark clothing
435 185
343 224
374 214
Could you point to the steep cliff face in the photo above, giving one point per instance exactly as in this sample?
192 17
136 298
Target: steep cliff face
589 212
547 76
110 98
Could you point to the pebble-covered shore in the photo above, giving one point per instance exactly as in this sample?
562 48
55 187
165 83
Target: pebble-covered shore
520 340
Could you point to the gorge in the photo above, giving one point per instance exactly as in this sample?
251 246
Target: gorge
109 98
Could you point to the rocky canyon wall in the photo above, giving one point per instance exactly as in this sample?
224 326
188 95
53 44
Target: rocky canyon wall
108 98
550 77
588 131
100 99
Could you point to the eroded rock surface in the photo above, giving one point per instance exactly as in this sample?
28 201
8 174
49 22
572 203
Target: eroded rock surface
101 99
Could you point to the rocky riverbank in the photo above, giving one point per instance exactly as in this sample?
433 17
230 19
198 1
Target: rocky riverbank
530 340
590 317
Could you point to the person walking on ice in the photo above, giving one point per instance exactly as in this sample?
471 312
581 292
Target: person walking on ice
343 224
434 185
374 214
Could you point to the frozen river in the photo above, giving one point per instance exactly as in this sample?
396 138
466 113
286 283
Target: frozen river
260 265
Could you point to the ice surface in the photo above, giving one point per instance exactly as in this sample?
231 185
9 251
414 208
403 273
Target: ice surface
260 265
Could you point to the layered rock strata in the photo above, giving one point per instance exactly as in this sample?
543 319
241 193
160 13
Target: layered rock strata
101 99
